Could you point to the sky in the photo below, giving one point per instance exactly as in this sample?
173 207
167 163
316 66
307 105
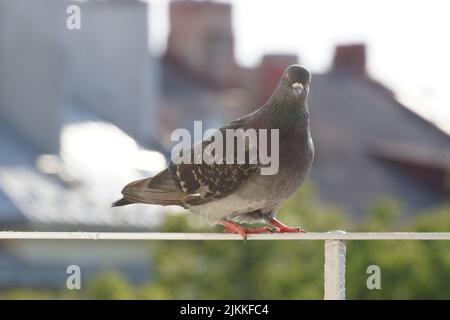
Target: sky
408 41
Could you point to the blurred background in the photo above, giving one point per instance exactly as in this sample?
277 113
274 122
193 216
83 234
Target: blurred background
82 112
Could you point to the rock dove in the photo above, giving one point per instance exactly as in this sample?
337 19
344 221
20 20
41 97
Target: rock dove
237 193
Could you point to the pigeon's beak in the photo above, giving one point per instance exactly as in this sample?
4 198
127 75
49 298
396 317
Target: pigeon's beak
297 88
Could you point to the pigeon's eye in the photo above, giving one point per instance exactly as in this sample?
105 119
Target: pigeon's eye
285 77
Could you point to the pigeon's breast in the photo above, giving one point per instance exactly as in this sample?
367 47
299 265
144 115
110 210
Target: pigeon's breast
265 192
295 163
241 202
296 158
293 169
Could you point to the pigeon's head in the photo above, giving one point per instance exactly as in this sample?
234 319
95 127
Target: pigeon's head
295 82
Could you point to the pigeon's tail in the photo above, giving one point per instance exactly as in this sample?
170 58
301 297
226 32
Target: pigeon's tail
121 202
160 189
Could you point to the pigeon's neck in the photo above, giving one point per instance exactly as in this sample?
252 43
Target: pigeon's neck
286 111
288 116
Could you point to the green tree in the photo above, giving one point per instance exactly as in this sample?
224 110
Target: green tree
409 269
294 269
110 285
286 269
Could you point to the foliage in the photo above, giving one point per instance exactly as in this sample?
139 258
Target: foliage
286 269
409 269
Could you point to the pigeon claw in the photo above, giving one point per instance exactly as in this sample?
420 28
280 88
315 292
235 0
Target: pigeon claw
282 228
273 229
291 229
232 227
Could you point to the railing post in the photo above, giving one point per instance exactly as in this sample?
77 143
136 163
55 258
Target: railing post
334 272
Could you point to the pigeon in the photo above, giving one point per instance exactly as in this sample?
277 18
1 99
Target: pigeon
237 194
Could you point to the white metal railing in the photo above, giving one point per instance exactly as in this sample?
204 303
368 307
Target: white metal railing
335 250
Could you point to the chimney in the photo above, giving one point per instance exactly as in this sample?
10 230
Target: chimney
270 71
201 40
350 59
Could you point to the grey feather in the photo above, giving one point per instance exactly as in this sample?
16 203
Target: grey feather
238 191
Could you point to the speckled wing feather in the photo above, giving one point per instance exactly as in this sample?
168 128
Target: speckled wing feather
212 181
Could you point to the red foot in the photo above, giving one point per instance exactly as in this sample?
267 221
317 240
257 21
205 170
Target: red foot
281 227
232 227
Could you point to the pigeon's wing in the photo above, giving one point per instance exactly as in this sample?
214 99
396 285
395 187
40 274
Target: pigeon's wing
191 183
205 182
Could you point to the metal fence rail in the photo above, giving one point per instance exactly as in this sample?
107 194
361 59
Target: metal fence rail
335 250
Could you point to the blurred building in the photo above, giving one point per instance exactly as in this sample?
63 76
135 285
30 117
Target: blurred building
200 79
199 75
202 42
77 109
368 145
